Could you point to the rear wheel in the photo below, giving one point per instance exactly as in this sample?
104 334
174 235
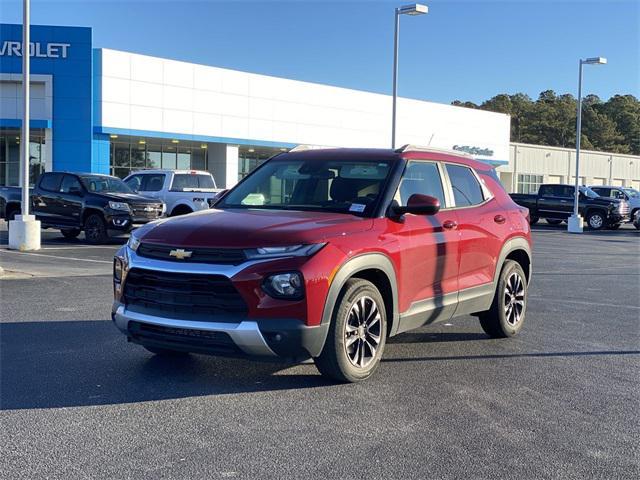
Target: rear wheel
596 220
357 334
180 210
70 232
506 315
95 229
553 221
533 220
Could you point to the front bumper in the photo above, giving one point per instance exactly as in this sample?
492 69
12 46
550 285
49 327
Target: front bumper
262 338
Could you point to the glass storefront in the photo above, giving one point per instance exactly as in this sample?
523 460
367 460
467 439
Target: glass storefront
251 157
10 156
128 154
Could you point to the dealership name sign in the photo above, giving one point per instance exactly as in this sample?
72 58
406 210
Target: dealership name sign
37 49
484 152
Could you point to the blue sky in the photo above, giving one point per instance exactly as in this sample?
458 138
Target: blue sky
469 50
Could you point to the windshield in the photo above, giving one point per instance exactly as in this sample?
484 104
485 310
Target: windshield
588 192
345 186
104 184
632 192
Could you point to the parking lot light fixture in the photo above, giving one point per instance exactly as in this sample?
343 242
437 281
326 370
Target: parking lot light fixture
575 222
413 10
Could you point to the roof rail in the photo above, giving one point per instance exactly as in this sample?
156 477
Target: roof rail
420 148
302 148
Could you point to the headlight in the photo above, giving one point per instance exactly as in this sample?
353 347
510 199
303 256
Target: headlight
119 206
133 243
288 251
285 285
117 269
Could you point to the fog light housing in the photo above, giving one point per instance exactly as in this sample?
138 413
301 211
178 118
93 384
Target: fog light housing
287 285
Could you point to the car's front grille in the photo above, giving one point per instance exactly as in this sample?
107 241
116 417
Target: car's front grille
214 342
219 256
183 295
623 208
146 210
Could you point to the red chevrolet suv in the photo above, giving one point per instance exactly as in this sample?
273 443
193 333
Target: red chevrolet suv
326 254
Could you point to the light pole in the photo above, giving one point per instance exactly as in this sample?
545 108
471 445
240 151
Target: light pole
575 223
413 9
24 231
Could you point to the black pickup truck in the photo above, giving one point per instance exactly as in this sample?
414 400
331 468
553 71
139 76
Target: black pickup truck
98 204
555 203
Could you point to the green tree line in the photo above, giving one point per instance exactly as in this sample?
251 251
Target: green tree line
611 126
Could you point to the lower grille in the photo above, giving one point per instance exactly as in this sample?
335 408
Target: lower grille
215 342
183 295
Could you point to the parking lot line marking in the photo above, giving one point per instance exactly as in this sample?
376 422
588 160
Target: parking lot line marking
56 256
584 302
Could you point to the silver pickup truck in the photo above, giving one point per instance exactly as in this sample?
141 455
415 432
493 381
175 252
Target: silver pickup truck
183 191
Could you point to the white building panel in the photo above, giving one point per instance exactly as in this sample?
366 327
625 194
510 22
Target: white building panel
250 107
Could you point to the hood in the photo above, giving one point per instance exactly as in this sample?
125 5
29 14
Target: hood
127 197
605 201
241 228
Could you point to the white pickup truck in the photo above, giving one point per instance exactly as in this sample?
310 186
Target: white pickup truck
183 191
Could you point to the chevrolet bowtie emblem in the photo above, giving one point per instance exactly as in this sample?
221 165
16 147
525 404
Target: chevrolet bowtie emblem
180 254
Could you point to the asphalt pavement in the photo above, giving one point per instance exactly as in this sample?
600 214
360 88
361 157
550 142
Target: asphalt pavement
561 400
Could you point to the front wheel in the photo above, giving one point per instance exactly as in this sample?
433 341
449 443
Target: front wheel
615 226
553 221
533 220
596 220
357 334
95 229
506 315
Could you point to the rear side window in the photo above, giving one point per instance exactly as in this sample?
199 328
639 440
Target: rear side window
423 178
51 182
151 182
185 181
69 183
466 188
603 192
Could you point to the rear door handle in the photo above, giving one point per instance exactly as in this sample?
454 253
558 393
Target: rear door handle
450 224
499 219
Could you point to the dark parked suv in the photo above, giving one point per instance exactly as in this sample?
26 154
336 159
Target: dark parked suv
98 204
326 254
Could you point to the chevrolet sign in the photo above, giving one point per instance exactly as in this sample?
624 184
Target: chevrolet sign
37 49
180 254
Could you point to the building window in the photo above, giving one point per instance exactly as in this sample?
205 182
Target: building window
131 154
10 156
529 183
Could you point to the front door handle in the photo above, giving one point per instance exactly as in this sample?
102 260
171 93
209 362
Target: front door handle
450 224
499 219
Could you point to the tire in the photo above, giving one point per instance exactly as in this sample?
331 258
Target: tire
500 321
615 226
95 229
349 362
180 210
596 220
553 221
11 214
70 232
533 220
165 352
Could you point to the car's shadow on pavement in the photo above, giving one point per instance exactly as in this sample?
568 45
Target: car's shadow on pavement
79 363
624 231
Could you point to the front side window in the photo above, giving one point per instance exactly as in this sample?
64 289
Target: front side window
466 188
344 186
134 182
152 182
420 177
104 184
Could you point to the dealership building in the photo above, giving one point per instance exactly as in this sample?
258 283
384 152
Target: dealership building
106 111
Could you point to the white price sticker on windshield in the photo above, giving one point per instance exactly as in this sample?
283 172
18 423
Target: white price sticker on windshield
357 207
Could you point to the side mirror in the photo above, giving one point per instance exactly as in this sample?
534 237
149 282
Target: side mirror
419 204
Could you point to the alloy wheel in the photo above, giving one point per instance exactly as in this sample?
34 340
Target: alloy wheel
596 221
514 299
362 333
